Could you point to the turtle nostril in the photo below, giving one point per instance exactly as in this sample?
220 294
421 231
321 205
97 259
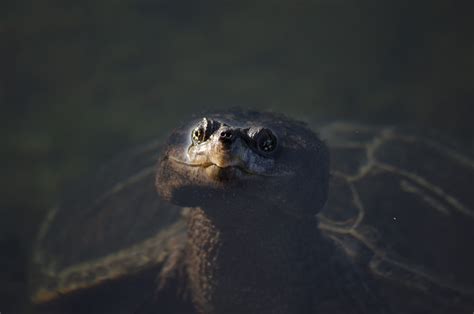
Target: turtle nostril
227 134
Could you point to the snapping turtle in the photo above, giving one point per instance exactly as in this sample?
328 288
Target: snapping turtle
250 219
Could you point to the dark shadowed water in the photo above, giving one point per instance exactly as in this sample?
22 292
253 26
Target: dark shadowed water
83 80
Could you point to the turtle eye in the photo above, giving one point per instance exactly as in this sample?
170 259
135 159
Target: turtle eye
266 141
204 130
198 135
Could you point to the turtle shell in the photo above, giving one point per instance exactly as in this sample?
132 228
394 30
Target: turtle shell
401 205
109 229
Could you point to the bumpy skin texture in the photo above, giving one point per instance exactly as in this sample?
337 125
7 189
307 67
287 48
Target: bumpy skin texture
251 268
295 180
272 264
253 243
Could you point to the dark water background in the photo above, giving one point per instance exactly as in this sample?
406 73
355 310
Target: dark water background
83 80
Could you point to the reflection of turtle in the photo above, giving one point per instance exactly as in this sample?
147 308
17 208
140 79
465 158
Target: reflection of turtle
394 236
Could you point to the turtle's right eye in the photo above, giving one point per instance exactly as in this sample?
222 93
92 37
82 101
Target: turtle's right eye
204 130
199 135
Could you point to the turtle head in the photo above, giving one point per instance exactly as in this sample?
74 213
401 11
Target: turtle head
243 160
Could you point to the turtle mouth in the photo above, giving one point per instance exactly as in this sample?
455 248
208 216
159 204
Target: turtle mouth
214 170
212 167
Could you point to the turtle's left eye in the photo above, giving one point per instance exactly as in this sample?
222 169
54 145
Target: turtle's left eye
266 141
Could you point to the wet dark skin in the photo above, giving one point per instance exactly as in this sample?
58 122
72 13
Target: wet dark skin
247 219
256 187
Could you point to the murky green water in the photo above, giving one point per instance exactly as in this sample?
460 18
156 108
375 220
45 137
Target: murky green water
82 80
